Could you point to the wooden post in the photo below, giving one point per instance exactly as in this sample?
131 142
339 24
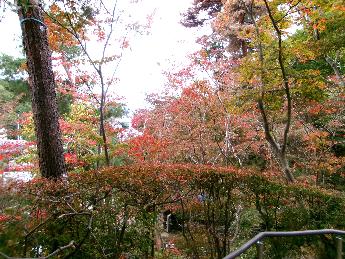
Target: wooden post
260 249
339 246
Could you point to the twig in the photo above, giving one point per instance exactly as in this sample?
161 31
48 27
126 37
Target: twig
70 245
74 214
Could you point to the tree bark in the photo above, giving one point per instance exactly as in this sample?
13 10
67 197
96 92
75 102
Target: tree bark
336 70
42 89
285 167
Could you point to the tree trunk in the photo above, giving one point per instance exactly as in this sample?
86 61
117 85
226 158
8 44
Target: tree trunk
336 70
284 164
101 119
42 88
104 136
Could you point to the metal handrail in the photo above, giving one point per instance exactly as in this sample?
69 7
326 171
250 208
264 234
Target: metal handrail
265 234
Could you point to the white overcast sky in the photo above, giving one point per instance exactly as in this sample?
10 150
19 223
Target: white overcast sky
140 71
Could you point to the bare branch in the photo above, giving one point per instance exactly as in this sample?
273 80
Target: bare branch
57 251
74 214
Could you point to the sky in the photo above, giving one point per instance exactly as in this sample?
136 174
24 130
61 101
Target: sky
140 72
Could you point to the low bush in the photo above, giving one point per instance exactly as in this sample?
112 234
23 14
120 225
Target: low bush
114 213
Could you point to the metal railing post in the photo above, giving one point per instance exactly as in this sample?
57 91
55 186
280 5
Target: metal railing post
339 246
260 249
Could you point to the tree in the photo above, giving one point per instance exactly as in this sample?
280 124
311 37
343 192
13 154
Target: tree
195 16
192 126
287 58
78 23
42 89
279 149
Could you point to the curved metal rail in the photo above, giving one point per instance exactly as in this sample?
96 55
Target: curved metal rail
262 235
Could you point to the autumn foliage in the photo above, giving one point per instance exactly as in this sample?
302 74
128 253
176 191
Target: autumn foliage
248 136
114 211
263 92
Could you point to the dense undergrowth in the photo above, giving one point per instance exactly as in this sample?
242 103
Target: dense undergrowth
114 213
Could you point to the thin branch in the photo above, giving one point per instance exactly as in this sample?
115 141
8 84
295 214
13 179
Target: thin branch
117 65
109 35
74 33
57 251
105 8
288 11
74 214
88 232
28 234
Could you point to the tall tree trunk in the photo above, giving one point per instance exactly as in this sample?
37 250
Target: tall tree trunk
42 88
279 150
282 154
